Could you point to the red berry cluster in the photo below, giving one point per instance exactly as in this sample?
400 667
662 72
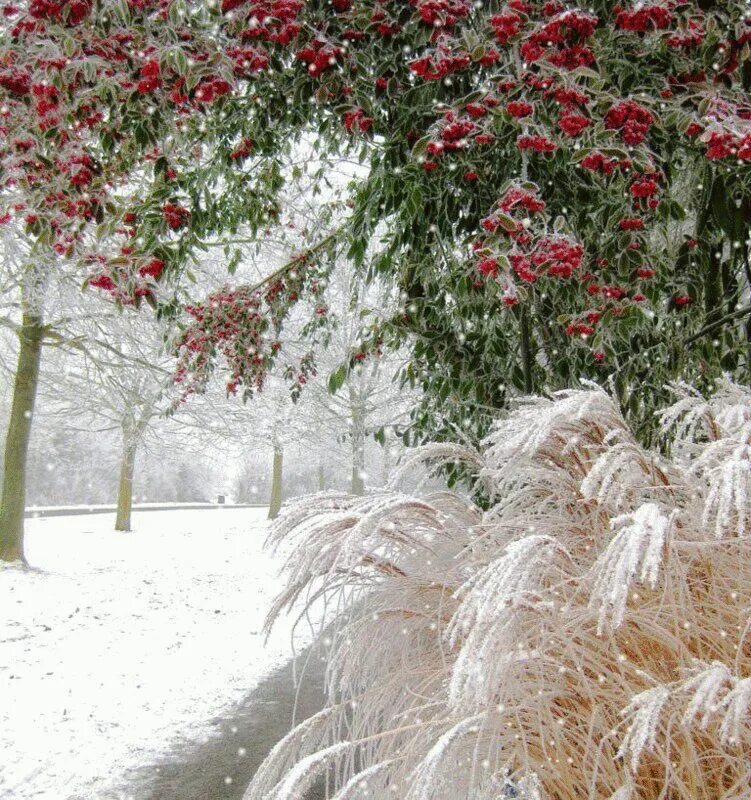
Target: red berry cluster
560 40
443 61
16 81
726 144
123 283
516 251
506 26
248 60
150 77
572 123
520 109
537 143
519 197
631 119
68 12
175 215
599 162
692 36
644 17
243 150
442 13
355 119
320 57
273 21
455 131
240 324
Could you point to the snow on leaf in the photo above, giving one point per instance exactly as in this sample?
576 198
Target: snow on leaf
726 508
483 625
360 785
303 775
707 685
736 725
636 549
644 711
297 744
428 782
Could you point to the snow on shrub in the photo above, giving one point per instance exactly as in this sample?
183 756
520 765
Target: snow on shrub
584 636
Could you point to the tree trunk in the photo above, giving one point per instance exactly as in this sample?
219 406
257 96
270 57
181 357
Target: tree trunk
358 452
321 478
275 503
17 439
526 349
386 464
125 487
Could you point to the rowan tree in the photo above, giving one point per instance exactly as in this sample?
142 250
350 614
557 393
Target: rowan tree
560 190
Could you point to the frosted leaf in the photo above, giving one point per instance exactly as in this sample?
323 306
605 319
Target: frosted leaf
625 792
736 705
362 783
428 782
706 687
727 509
298 743
305 772
644 711
636 550
620 470
484 623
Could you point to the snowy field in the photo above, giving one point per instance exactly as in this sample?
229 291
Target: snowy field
120 647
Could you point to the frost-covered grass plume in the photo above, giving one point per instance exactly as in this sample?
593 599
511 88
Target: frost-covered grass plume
581 634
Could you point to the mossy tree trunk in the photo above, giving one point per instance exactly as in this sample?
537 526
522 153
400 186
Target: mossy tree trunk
358 450
275 502
321 477
13 501
125 486
386 463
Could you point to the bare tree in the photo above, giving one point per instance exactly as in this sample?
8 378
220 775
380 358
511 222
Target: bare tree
125 375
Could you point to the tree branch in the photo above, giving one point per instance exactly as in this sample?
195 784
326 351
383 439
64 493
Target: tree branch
718 323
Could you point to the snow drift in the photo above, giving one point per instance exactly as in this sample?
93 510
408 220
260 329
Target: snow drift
583 634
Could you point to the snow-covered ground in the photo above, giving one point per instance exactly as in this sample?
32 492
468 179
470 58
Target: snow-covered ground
122 646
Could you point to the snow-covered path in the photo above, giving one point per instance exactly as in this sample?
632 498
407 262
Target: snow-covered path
122 642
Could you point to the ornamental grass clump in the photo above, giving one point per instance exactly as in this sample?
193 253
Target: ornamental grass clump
584 635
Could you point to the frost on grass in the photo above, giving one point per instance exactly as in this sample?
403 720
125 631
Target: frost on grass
636 551
584 634
645 711
301 777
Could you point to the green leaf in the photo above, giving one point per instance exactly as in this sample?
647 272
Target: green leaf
336 379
